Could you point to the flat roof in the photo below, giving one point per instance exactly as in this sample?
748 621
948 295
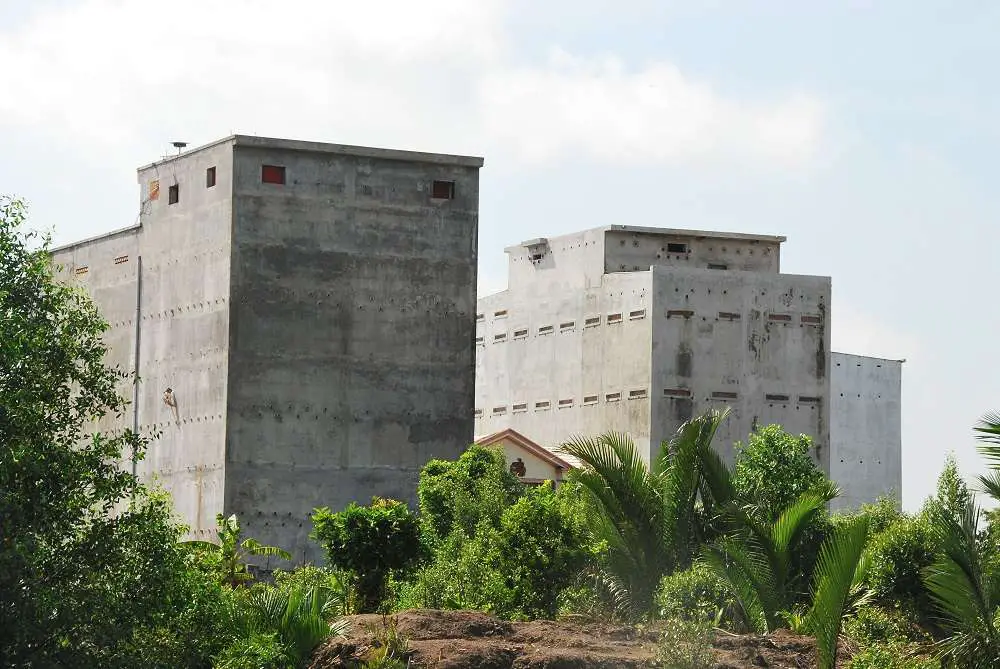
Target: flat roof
95 238
662 232
326 147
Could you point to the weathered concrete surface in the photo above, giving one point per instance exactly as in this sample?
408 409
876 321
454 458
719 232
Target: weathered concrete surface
638 329
317 336
866 451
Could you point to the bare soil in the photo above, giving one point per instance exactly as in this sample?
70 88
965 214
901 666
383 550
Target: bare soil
474 640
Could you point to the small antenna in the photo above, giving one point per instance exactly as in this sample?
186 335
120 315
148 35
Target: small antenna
179 146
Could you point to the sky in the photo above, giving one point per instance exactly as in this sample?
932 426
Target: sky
863 131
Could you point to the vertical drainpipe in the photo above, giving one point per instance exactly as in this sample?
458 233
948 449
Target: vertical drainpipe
135 364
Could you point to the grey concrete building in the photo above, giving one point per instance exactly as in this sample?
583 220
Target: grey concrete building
301 318
638 329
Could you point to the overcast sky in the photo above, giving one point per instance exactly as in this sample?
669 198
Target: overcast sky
866 132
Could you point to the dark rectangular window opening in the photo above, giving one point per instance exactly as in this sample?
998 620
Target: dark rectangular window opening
717 265
680 313
676 392
776 397
443 190
779 317
272 174
677 248
723 395
210 177
173 194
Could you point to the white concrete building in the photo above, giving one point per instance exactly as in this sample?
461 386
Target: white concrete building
638 329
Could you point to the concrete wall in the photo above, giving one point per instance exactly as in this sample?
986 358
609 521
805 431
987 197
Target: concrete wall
628 250
352 358
866 443
757 343
555 363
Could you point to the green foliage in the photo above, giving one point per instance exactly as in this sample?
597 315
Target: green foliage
892 655
90 571
307 577
876 624
696 594
836 573
988 436
277 628
228 558
517 569
371 543
686 644
881 514
645 516
773 469
898 555
459 495
756 560
390 649
965 595
952 495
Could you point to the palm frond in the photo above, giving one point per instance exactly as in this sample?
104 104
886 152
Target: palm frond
990 483
988 428
835 572
788 528
254 547
747 574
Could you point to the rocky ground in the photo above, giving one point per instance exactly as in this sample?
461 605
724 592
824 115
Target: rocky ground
473 640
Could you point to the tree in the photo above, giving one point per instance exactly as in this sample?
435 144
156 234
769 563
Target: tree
371 542
646 514
90 573
229 556
774 469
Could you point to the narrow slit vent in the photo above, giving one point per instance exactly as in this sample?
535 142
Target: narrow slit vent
680 313
676 392
500 314
565 403
545 329
612 397
522 406
717 265
590 399
479 412
723 395
614 318
568 325
674 247
81 270
520 334
480 340
729 316
592 322
499 410
811 320
776 398
637 394
480 317
500 337
810 399
783 318
121 260
637 314
542 406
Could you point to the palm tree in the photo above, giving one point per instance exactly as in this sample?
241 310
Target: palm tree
756 560
839 573
231 551
645 514
966 594
988 435
297 618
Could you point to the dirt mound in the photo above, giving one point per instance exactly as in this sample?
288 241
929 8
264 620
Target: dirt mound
474 640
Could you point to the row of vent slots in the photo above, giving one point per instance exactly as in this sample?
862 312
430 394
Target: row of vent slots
590 400
83 269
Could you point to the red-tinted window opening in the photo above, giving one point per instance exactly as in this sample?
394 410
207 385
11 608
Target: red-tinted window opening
443 190
272 174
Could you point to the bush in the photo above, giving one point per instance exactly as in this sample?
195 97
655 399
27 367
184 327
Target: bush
337 583
686 644
695 594
899 554
893 655
875 624
371 543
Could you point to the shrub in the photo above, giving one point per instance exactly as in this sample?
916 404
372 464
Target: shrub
686 644
898 556
310 577
371 543
875 624
695 594
892 655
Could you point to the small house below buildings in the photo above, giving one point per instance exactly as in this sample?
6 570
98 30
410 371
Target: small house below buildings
530 462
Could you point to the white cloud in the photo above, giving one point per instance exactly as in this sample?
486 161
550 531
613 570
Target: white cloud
438 75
